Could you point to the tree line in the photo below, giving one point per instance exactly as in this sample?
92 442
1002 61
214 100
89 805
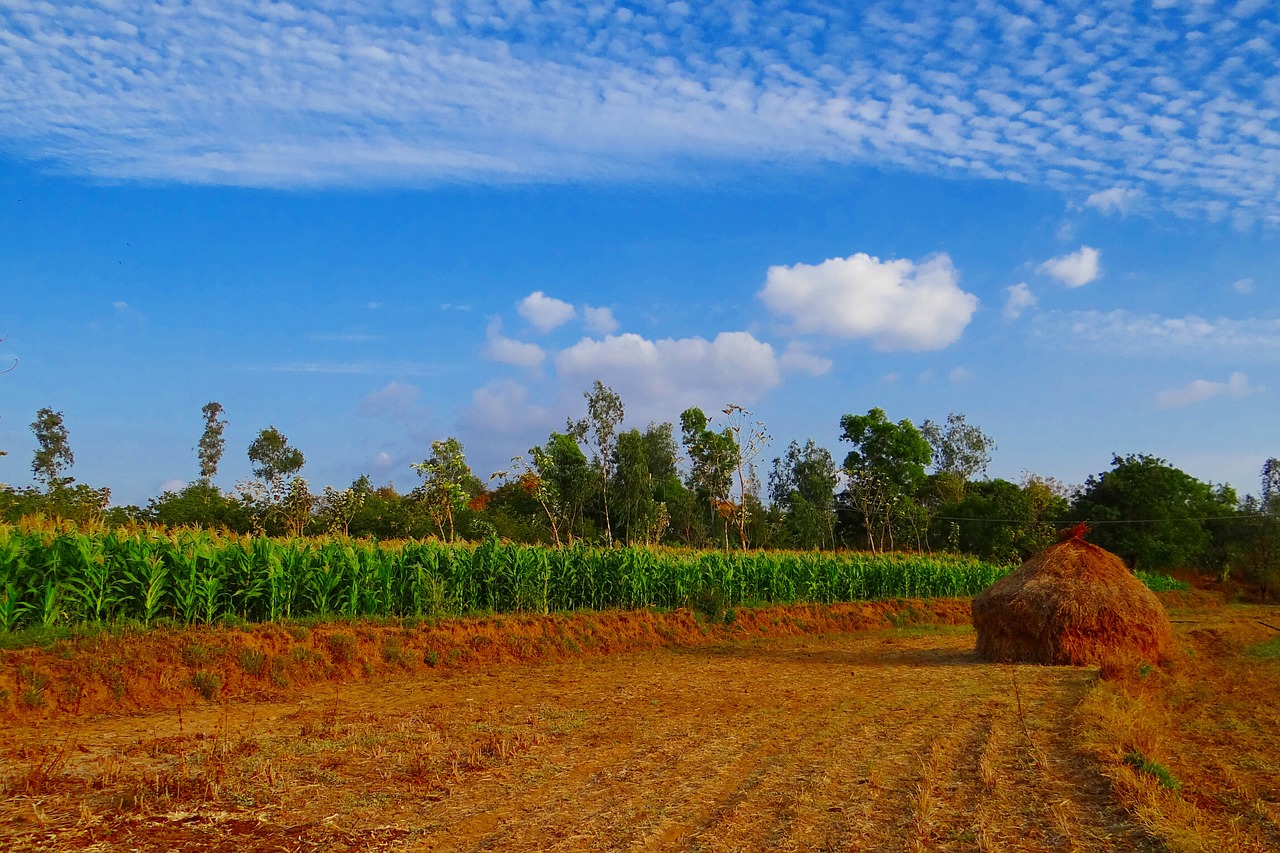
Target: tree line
900 486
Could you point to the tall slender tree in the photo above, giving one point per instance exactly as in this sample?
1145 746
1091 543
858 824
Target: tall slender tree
53 452
600 431
212 442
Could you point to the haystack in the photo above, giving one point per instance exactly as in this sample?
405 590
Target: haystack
1073 603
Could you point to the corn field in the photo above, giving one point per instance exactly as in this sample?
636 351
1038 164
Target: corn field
63 577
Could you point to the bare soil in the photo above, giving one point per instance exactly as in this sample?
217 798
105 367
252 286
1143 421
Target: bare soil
889 739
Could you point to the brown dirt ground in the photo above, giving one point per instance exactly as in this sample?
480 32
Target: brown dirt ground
888 739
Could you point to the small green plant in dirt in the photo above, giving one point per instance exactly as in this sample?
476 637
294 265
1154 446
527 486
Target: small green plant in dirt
431 658
252 661
196 654
207 684
1154 769
1270 650
342 647
393 653
709 602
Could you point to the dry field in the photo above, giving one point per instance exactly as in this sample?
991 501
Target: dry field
888 739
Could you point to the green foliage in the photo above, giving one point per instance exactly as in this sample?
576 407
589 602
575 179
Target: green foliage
1157 582
998 520
252 661
1163 510
885 469
207 684
803 484
200 504
1154 769
198 577
53 452
212 441
447 484
273 459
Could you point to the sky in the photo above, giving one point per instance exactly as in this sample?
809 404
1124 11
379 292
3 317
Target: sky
374 225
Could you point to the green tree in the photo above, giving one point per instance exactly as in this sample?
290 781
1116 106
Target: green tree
803 485
53 453
338 507
633 486
960 452
1150 513
885 469
447 483
599 429
1001 521
212 441
274 461
564 471
199 504
713 457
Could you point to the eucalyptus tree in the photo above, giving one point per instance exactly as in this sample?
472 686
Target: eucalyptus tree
212 441
599 430
53 453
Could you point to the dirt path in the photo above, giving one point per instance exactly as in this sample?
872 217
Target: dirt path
880 741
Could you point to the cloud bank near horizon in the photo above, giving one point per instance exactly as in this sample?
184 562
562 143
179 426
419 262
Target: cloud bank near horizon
1175 105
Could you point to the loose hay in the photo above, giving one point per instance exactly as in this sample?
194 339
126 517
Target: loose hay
1073 603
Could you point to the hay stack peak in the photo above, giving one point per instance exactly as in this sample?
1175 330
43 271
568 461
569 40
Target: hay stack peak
1073 603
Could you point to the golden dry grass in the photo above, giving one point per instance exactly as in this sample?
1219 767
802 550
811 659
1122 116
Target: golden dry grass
889 740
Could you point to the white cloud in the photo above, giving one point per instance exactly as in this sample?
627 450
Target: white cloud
1237 385
503 408
282 94
1243 286
506 350
544 312
897 305
1076 269
1127 332
172 486
960 375
599 321
396 401
382 461
120 306
1020 298
1121 200
657 377
800 356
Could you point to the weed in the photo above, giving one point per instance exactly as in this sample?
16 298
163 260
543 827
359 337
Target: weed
431 658
33 697
196 655
278 674
1155 769
298 632
252 661
207 684
1270 650
342 647
730 616
393 653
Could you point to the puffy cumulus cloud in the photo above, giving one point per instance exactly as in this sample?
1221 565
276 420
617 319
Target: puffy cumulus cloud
800 356
599 321
544 312
1020 298
1243 286
1076 269
1237 385
656 377
506 350
897 305
1121 200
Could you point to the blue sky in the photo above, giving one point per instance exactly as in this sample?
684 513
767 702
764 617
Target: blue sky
374 225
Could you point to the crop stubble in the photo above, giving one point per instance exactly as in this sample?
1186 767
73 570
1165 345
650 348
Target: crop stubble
887 741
